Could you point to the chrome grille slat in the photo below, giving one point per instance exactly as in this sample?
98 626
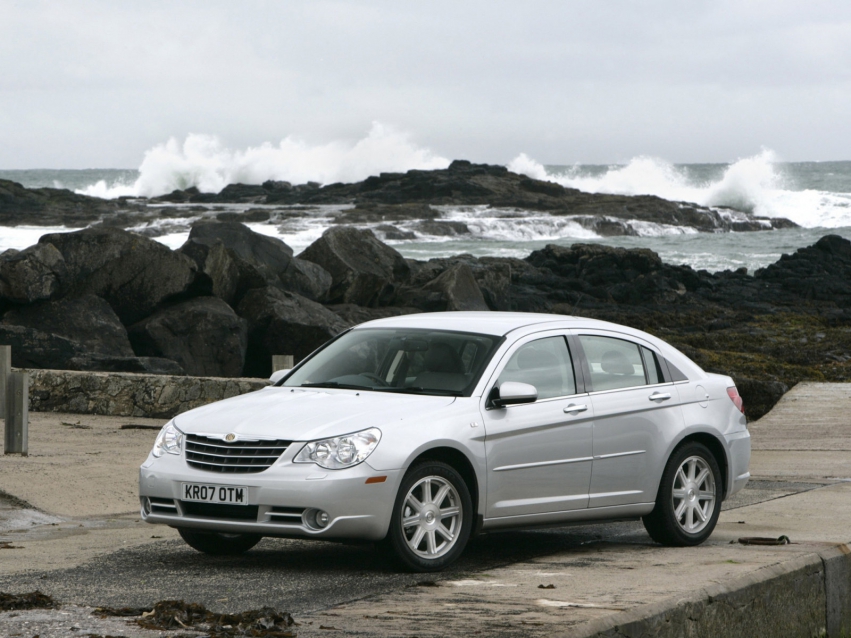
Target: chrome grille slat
215 455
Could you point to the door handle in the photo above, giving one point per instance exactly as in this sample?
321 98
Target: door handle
658 396
575 408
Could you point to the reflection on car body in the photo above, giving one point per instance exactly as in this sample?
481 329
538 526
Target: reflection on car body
420 430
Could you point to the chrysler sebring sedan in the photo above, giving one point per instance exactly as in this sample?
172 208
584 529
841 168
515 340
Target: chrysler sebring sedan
422 430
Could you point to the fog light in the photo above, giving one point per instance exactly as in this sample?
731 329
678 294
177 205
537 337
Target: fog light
316 519
146 506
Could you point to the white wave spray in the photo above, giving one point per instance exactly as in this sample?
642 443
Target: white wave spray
202 161
753 184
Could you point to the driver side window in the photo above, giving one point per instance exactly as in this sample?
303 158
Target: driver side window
545 364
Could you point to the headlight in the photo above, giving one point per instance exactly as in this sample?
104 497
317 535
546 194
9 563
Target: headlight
168 440
341 451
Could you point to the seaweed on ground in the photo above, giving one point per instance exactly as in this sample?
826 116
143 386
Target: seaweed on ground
32 600
166 615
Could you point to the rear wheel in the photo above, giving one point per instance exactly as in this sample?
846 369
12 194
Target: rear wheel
218 543
432 517
689 499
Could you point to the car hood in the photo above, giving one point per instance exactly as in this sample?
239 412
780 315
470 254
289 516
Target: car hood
296 414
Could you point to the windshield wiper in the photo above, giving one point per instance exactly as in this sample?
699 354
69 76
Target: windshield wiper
420 390
335 384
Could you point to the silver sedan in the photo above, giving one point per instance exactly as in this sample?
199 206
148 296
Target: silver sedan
420 431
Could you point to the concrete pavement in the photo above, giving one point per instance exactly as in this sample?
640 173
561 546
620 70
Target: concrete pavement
82 470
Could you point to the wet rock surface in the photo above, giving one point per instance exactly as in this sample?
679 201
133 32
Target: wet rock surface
282 322
203 335
364 270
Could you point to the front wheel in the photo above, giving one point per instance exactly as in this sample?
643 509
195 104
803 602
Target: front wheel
689 499
432 517
217 543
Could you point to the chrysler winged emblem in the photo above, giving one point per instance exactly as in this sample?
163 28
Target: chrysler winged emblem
230 438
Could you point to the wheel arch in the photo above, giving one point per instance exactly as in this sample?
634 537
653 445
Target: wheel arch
718 451
458 461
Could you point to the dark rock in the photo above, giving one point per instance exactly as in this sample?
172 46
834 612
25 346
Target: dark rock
31 274
51 206
218 272
262 260
364 271
282 322
203 335
391 233
306 279
454 289
353 315
817 273
253 215
133 273
268 255
87 321
242 193
442 229
371 213
36 349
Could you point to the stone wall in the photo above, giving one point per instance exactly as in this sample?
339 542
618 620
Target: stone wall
125 394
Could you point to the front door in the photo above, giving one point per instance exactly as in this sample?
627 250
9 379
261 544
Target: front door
539 454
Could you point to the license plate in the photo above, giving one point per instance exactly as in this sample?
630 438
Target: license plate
206 493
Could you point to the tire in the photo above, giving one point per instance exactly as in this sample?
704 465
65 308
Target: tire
689 498
217 543
427 541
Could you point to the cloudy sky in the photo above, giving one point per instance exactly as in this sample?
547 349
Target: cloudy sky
96 84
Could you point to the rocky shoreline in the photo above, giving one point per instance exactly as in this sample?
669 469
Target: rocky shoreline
380 202
106 299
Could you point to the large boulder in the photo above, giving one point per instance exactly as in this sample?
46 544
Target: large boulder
204 335
262 260
281 322
218 271
133 273
269 255
306 279
31 274
75 334
88 321
364 271
453 289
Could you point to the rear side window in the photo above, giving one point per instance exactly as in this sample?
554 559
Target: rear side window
651 365
614 363
545 364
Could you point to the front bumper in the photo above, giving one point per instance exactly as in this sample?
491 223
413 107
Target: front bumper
281 499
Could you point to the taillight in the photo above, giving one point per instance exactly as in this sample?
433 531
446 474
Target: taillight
736 399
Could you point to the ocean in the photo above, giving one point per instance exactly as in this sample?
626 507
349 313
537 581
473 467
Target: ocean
815 195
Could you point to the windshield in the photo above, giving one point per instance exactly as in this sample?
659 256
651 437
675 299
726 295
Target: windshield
414 361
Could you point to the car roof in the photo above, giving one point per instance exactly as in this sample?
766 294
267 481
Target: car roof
491 323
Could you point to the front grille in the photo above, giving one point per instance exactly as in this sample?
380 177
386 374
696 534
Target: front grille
239 457
219 510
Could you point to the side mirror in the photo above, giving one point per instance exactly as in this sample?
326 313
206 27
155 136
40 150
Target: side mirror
277 375
513 393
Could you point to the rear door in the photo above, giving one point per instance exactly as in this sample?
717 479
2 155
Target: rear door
635 410
539 454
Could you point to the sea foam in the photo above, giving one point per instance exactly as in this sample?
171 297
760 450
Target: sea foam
204 162
753 184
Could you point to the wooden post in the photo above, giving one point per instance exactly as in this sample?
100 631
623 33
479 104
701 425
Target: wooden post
17 413
282 362
5 371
